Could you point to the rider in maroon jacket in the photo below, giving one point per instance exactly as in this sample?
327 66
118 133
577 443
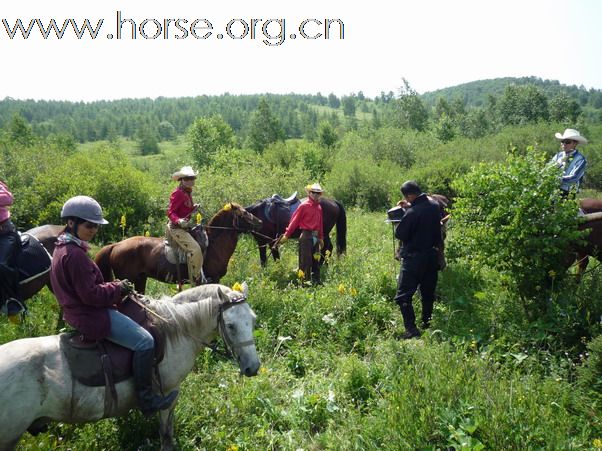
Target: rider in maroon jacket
90 304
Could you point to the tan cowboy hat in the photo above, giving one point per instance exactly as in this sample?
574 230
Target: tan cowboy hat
573 134
316 188
186 171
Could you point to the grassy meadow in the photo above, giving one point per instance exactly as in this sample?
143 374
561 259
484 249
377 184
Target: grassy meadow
336 376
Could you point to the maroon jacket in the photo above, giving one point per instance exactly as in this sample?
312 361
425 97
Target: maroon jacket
82 292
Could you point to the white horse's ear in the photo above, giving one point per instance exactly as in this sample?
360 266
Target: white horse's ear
223 296
245 289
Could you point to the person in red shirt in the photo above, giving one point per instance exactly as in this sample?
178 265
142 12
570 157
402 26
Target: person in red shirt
308 218
180 211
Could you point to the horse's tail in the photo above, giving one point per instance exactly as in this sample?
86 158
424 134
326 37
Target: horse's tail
103 261
341 229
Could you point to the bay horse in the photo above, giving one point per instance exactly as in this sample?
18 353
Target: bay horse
46 235
333 213
140 257
593 242
38 386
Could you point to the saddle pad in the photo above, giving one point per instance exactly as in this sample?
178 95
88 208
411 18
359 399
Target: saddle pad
34 260
84 358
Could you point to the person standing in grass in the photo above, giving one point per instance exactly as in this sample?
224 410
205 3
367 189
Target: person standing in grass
571 161
308 218
420 233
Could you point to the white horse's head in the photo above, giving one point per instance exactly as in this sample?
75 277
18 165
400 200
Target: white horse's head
235 321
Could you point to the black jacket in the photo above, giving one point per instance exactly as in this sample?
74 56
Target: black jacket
420 227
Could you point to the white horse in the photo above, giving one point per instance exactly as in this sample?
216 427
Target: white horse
37 383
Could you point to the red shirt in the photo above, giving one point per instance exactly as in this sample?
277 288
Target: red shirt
308 216
82 292
180 204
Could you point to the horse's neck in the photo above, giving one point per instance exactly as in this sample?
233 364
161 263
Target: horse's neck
222 243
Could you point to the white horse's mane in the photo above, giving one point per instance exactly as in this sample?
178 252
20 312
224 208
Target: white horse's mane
189 311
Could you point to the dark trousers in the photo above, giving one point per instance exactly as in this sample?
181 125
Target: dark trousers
307 263
10 248
418 271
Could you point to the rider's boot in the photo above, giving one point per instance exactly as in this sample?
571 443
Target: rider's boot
149 402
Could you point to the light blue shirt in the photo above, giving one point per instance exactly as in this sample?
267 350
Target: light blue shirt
573 169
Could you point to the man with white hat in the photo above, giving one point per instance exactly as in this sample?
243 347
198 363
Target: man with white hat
308 218
570 160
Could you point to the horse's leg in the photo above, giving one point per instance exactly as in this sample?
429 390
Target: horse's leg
263 258
275 254
327 247
140 284
166 421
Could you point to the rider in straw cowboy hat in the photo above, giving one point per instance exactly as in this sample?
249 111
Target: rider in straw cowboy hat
308 218
90 304
180 211
571 161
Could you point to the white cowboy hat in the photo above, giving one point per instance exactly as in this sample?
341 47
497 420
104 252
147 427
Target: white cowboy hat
573 134
186 171
316 188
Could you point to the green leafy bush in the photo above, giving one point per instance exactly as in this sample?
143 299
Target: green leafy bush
513 219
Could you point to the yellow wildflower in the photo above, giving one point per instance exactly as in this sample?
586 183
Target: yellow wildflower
552 273
353 292
300 274
327 253
232 447
263 370
237 287
227 207
317 256
198 218
341 288
122 222
147 233
597 443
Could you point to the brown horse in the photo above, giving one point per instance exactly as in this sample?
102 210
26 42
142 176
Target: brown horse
590 205
46 235
139 257
593 243
333 213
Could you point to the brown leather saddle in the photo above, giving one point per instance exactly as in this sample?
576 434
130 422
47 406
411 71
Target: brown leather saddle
103 363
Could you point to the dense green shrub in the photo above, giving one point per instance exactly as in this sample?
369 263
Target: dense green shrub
513 220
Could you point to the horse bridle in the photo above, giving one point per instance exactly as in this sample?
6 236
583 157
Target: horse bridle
228 344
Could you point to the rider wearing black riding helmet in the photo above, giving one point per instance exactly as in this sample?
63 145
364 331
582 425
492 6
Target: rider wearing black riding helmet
91 305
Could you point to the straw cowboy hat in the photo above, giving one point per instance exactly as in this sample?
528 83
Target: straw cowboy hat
573 134
186 171
316 188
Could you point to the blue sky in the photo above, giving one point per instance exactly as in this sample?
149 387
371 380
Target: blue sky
433 44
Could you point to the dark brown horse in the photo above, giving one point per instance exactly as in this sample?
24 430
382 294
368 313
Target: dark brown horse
333 213
46 235
139 257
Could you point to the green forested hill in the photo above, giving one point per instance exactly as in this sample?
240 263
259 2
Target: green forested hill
477 93
474 108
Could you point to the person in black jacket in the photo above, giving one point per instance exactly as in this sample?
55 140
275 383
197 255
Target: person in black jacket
420 233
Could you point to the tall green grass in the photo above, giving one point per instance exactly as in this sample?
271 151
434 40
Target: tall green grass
335 374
